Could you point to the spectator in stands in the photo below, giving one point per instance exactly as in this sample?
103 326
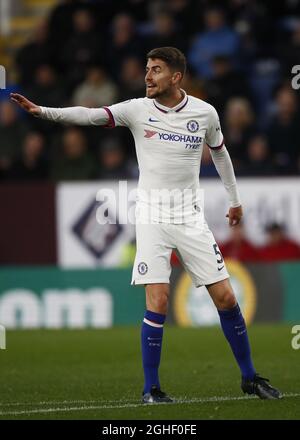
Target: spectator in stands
217 39
61 19
83 48
45 87
32 165
258 159
75 163
123 43
39 50
225 83
194 86
283 131
279 246
132 80
258 48
186 14
238 129
238 247
165 33
288 52
12 132
112 160
139 9
96 90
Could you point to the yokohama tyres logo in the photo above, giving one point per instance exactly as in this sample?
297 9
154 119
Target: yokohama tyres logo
149 133
173 137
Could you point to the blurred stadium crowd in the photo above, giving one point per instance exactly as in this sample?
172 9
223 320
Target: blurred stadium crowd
92 53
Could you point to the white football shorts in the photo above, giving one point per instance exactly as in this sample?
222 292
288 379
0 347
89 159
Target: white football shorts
194 243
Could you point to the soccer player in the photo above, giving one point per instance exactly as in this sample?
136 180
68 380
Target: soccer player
170 128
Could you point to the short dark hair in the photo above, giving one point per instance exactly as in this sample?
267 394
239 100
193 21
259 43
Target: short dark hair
173 57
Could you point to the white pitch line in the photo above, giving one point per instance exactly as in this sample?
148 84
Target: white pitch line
132 405
63 402
120 401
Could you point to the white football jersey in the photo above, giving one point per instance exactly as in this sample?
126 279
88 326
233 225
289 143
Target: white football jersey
169 144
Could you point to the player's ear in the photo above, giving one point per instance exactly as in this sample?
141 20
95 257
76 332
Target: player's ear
177 76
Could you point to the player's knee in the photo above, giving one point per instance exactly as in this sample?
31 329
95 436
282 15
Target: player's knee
157 300
227 300
160 302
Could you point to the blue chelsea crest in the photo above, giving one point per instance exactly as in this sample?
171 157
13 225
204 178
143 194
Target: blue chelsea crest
192 126
142 268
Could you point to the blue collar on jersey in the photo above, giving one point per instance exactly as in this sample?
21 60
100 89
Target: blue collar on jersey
177 107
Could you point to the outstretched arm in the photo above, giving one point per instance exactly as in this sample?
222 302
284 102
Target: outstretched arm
68 115
225 170
25 104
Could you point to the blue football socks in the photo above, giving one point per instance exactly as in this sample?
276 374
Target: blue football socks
234 328
151 338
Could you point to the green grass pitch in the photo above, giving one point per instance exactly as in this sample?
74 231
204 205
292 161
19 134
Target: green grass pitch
97 374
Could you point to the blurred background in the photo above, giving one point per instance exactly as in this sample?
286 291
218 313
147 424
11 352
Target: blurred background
59 267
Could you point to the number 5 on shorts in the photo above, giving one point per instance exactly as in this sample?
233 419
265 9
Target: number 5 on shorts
218 254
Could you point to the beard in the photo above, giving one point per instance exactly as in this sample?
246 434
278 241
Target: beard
154 93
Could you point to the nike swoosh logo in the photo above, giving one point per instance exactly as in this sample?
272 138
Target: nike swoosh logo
153 120
220 268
